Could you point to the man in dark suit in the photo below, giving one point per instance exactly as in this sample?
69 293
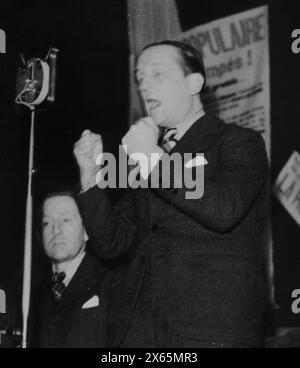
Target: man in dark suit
69 310
195 275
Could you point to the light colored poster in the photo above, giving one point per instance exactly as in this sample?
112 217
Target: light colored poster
287 186
236 57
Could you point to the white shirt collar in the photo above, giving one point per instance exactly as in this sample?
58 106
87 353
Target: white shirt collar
71 268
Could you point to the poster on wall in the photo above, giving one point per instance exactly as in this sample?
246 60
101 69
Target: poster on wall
287 186
236 56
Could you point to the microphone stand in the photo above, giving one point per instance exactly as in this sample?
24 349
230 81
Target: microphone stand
28 235
36 79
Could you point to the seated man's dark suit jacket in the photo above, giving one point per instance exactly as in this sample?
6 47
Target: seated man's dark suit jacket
205 253
65 324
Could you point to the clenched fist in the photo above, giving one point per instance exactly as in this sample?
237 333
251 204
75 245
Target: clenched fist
142 137
86 151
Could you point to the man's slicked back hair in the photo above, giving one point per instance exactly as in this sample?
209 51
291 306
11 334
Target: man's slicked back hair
191 60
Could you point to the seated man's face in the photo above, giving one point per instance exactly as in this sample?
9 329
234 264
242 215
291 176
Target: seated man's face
62 229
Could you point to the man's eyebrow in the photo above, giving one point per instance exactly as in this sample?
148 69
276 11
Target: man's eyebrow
67 214
63 213
156 63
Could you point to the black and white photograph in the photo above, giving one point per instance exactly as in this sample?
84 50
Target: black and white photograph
149 177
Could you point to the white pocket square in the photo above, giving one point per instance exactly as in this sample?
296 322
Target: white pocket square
196 161
91 303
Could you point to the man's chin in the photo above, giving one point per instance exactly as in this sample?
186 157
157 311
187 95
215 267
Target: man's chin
157 120
59 254
59 258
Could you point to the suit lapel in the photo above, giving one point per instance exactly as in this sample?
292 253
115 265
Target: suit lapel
195 140
198 137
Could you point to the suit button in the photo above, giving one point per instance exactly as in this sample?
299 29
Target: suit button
142 259
154 227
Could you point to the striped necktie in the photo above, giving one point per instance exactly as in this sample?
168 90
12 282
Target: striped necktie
58 285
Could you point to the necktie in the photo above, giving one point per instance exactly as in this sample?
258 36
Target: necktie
169 141
58 285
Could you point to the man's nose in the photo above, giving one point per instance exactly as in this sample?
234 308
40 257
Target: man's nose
57 227
145 84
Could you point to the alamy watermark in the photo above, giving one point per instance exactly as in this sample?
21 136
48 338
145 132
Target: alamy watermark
295 306
2 41
175 171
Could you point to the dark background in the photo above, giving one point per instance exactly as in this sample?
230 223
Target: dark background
92 92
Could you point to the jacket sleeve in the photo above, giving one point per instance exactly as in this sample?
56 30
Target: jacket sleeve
233 187
111 229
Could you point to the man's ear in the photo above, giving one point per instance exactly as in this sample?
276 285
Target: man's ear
196 82
85 236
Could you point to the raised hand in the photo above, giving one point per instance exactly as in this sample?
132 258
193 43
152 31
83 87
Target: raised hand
86 150
142 137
